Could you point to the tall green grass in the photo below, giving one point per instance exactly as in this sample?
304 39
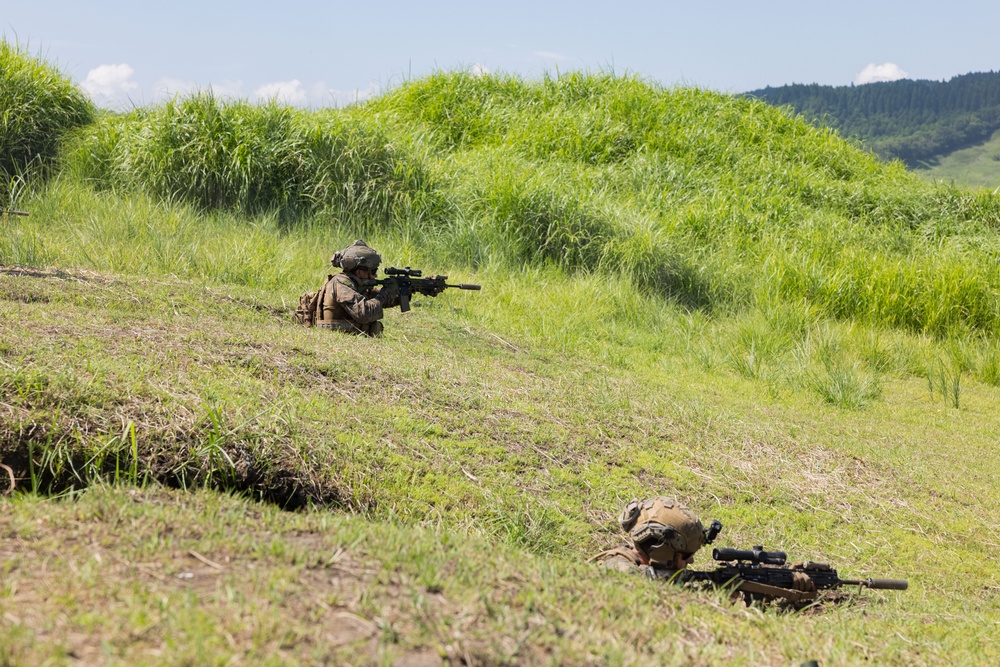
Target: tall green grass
234 156
38 105
715 202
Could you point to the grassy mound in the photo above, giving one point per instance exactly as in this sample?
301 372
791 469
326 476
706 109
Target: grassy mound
235 156
714 201
38 106
477 470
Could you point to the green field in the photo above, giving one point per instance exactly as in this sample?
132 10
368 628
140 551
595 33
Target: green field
685 293
978 166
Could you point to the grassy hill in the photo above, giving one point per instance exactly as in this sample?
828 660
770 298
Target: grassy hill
977 166
685 293
938 128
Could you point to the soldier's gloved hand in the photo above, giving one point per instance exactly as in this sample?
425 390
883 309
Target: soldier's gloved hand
435 290
388 295
802 582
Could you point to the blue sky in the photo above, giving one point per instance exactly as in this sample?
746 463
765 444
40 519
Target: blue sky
321 53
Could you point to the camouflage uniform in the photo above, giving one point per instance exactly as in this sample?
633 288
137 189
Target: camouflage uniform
660 529
627 559
344 304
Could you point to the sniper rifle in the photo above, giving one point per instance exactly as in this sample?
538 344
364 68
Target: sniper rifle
762 575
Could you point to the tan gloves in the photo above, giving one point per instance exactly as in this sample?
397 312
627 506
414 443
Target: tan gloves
801 580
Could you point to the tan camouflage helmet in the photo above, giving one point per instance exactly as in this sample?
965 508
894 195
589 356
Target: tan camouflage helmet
661 528
356 256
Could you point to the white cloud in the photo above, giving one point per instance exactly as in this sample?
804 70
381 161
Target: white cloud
294 92
356 95
227 89
884 72
167 87
551 55
289 92
479 70
110 85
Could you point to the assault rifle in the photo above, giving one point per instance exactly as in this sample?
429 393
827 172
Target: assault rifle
21 213
762 575
409 281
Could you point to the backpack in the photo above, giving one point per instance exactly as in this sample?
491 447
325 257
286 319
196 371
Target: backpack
306 313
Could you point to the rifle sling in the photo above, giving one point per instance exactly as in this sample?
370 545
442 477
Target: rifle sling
774 591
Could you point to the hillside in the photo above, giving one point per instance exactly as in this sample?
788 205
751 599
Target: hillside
916 121
976 166
685 293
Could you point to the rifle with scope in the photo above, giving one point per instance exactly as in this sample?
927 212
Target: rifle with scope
409 281
762 575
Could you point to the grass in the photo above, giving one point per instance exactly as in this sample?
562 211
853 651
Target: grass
475 477
974 167
713 201
38 105
684 294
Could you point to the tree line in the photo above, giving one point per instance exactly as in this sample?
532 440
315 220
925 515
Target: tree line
915 121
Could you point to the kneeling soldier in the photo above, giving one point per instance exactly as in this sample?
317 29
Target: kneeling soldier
344 303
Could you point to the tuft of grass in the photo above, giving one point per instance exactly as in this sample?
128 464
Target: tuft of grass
38 105
846 387
945 378
222 155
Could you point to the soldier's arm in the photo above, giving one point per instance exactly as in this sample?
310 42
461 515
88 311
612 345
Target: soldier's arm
360 309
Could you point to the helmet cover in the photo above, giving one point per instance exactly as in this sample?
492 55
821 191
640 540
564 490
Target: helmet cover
356 256
661 528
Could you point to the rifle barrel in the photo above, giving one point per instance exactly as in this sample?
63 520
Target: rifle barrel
21 213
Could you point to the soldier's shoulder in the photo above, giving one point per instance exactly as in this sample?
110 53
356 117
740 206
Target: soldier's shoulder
344 279
619 558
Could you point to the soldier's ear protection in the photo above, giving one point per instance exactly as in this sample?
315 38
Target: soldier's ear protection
654 535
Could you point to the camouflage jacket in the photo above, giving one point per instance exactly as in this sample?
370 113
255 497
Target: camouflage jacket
343 304
626 559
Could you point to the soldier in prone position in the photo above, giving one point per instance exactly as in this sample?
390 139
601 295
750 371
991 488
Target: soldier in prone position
664 536
344 303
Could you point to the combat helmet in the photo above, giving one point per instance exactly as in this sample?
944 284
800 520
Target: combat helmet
661 528
357 256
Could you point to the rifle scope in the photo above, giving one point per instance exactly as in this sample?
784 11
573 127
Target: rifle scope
756 555
412 273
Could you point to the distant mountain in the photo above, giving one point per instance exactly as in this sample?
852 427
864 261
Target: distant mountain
918 122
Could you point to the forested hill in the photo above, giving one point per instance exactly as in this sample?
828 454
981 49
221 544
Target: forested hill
914 121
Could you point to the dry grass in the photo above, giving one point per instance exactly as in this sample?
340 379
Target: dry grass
479 474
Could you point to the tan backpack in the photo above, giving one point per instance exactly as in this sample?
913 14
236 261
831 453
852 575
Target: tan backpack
306 313
308 302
